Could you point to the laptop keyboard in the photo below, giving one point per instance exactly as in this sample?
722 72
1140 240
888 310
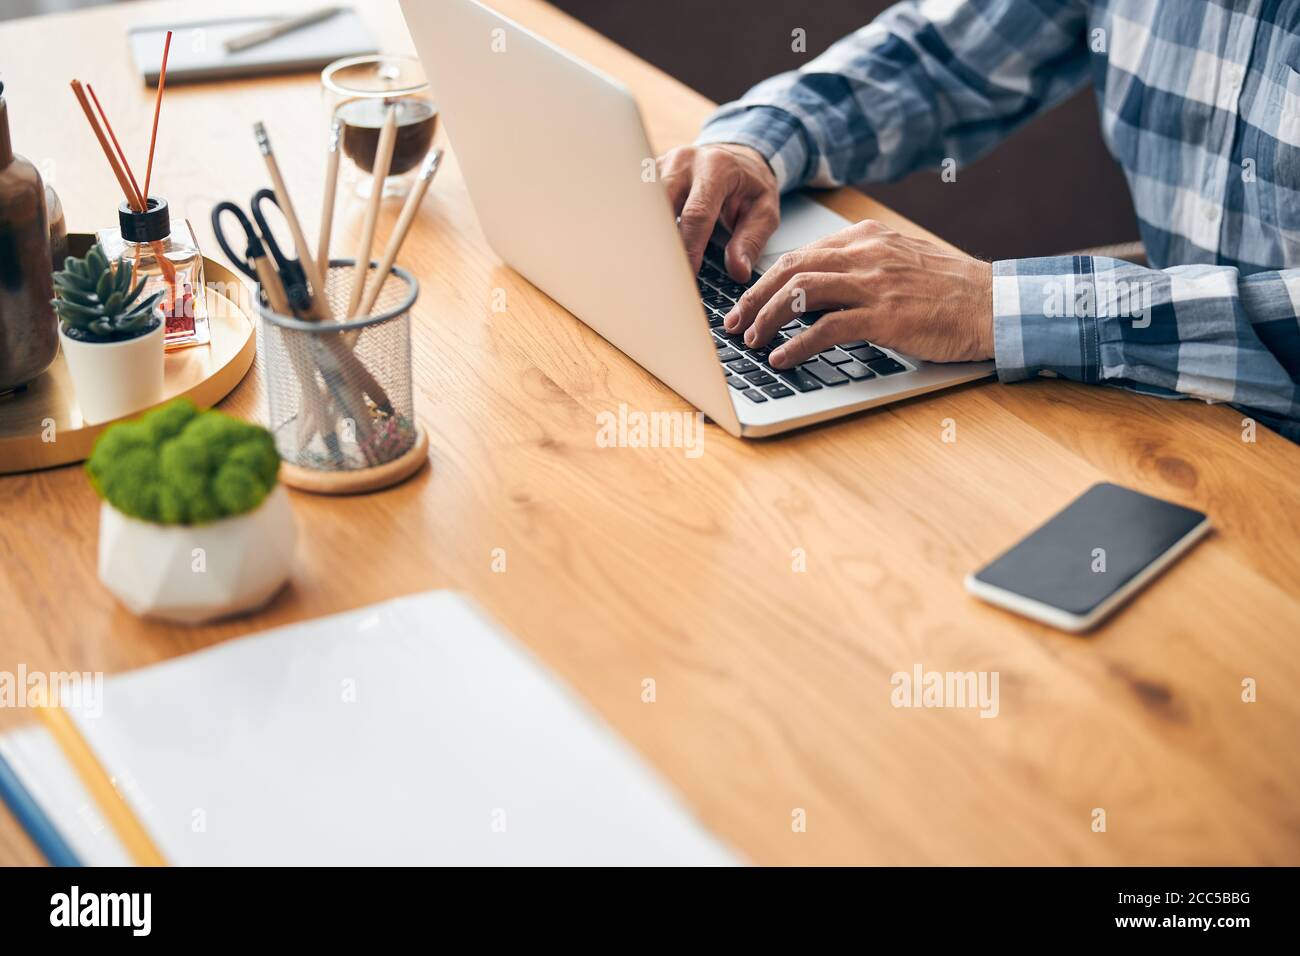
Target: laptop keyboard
747 369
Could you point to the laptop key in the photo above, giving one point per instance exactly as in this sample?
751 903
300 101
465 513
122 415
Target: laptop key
824 373
886 366
742 366
759 378
777 391
754 395
728 355
856 371
834 356
735 381
867 353
859 344
801 380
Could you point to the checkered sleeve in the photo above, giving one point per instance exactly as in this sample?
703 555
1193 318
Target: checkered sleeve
928 80
1197 331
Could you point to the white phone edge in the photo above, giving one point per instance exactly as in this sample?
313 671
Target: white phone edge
1078 623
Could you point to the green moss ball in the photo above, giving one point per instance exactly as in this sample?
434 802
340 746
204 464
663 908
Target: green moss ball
177 465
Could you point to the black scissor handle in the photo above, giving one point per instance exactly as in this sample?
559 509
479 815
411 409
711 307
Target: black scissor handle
253 249
292 274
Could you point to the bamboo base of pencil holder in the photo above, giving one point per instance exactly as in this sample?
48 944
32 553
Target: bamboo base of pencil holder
340 401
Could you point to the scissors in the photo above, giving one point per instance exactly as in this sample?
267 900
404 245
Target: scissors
283 280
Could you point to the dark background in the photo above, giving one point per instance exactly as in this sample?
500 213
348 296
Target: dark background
1052 187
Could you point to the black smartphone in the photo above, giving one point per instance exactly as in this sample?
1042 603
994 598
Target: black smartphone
1076 569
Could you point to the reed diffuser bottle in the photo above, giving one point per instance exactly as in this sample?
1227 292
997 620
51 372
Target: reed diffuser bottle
164 252
29 333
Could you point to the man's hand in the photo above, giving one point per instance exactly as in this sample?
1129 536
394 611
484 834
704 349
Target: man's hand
877 285
728 184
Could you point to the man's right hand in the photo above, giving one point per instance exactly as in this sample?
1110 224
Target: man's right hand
723 183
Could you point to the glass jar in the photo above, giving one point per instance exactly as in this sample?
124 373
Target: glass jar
166 254
358 93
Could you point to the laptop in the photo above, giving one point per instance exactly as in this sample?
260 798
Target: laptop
553 153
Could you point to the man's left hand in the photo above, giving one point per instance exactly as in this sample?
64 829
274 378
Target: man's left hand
877 285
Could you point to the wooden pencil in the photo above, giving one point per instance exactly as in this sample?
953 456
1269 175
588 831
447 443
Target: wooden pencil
130 831
428 170
383 160
331 184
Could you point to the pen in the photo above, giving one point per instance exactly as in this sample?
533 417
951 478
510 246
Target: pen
252 38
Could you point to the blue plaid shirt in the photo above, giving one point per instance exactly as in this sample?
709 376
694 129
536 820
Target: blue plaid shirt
1200 103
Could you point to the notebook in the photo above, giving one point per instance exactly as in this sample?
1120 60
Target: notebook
198 49
405 733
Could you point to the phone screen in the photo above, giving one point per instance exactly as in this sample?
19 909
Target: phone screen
1101 544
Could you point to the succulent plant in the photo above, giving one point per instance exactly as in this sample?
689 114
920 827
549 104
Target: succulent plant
98 304
177 465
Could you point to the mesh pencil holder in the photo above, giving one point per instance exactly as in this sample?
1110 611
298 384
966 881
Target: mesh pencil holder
339 395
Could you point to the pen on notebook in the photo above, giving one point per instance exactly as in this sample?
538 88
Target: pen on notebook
139 845
252 38
32 818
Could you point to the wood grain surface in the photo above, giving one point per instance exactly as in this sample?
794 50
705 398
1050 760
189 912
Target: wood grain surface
772 685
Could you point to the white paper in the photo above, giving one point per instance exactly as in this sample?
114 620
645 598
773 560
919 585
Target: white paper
410 732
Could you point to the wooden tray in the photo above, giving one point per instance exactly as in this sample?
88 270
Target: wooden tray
205 374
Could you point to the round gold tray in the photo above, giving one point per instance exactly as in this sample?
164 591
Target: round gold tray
41 425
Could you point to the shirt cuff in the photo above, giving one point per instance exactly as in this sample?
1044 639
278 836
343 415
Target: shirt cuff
1038 327
773 132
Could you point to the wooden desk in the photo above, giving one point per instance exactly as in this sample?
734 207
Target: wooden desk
772 686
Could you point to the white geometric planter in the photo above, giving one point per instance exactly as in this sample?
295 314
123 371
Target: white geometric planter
115 379
196 573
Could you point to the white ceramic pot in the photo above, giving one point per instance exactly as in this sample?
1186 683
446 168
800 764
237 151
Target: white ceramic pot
115 379
196 573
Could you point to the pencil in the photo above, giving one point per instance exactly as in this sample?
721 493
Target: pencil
383 160
331 184
428 170
315 274
130 831
33 819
